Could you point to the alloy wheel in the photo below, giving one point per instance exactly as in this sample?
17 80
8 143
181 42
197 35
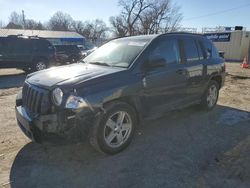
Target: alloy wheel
212 96
40 66
117 129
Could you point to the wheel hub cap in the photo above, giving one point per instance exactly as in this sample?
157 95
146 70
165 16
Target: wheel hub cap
117 129
212 95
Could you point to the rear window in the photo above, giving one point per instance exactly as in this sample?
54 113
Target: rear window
191 51
67 48
215 52
20 45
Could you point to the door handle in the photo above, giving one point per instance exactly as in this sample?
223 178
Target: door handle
1 55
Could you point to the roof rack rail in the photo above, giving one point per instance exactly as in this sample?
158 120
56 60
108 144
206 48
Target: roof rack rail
15 36
24 36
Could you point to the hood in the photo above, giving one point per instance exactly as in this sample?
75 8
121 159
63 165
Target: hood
69 74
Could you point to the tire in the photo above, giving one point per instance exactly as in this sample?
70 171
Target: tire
27 70
72 59
115 130
210 97
40 64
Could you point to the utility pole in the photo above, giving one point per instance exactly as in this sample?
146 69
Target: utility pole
23 19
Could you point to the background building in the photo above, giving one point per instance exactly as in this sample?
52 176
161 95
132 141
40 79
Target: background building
55 37
235 43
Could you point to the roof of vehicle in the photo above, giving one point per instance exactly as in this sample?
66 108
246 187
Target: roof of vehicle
152 36
40 33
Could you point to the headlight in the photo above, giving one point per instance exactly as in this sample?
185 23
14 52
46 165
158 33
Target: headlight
75 102
57 96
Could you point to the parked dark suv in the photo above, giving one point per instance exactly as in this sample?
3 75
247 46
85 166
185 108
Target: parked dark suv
27 53
121 83
68 53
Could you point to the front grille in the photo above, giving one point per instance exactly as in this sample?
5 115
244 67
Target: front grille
35 99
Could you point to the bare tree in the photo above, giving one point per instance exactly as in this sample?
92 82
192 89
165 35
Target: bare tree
132 10
2 24
32 24
146 17
162 16
91 29
60 22
119 27
78 26
16 18
15 21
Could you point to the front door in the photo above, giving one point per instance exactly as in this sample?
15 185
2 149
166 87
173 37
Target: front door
165 86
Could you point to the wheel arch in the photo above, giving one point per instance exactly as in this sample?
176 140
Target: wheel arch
218 79
37 58
131 101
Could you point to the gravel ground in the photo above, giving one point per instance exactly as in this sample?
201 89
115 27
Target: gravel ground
187 148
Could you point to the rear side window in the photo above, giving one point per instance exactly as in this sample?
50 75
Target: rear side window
215 52
167 49
191 50
200 51
207 45
21 45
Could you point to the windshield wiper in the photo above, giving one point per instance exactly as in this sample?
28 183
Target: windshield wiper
100 63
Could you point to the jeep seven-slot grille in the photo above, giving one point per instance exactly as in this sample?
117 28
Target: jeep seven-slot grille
35 100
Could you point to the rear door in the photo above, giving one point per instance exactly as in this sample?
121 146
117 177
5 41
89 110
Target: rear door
165 87
20 52
194 60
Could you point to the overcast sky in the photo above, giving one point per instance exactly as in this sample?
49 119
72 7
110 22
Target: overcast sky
220 12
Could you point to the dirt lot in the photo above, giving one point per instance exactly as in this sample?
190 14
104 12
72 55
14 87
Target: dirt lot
188 148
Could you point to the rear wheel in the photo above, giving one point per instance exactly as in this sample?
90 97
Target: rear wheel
115 130
210 97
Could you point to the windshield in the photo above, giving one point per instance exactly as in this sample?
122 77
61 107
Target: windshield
117 53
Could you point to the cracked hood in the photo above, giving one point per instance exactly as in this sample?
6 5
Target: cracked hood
69 74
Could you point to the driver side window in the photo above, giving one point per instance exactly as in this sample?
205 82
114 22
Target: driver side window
166 49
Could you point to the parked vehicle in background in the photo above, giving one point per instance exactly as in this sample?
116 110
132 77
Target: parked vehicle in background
27 53
87 48
121 83
68 53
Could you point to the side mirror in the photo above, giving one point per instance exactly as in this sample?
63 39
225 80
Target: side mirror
154 63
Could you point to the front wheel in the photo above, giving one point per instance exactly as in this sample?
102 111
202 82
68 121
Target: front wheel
73 59
115 130
210 97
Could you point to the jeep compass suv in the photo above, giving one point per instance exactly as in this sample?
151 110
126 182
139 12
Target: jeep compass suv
122 82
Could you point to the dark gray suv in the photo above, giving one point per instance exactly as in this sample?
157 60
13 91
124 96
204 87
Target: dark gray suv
122 82
26 52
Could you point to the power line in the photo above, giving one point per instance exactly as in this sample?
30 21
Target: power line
216 13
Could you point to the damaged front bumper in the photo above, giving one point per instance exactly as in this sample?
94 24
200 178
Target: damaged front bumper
65 126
